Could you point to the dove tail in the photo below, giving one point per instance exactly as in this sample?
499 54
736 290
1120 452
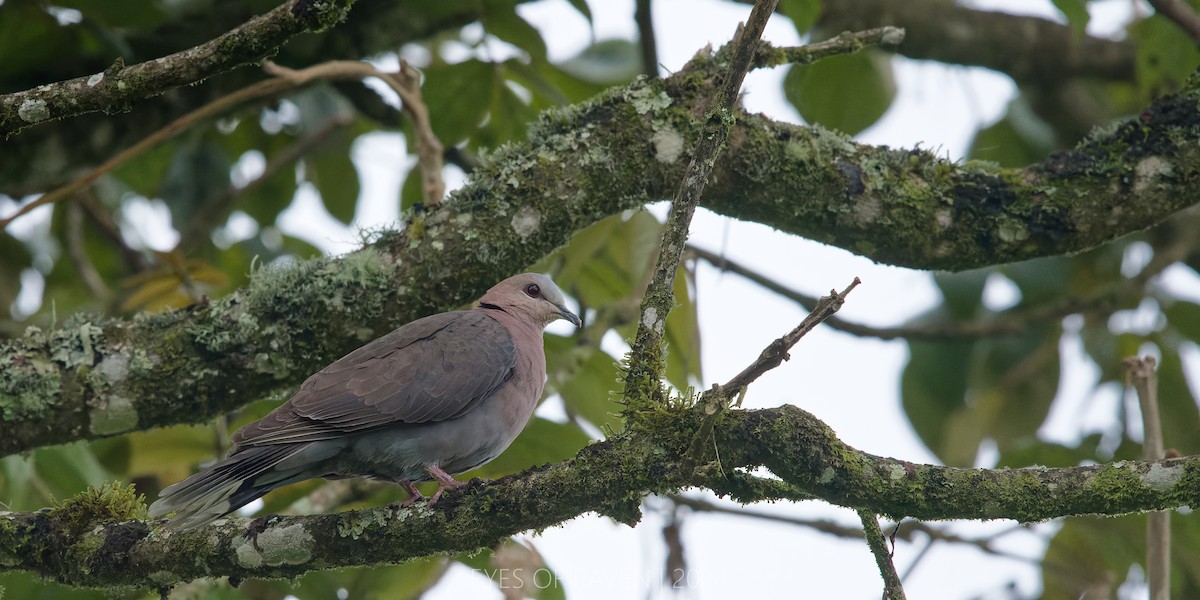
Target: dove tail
227 485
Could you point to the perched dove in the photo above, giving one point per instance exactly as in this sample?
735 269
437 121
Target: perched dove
436 397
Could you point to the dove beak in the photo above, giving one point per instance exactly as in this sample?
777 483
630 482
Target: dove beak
569 316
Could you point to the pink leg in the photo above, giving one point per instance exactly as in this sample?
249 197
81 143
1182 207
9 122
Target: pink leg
445 482
413 493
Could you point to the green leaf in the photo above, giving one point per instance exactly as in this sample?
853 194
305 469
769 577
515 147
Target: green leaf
30 39
583 8
1014 384
585 376
502 20
803 13
458 97
1184 317
605 63
145 173
1076 13
509 117
1165 55
16 259
933 388
26 586
1049 454
336 178
69 469
1041 280
1018 139
1089 551
848 93
962 292
127 14
199 171
396 582
411 191
682 335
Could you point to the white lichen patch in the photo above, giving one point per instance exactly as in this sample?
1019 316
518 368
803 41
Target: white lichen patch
114 367
526 222
291 545
650 317
896 473
1149 170
944 218
118 415
1011 231
645 100
33 111
95 79
868 209
247 555
827 476
1162 479
668 145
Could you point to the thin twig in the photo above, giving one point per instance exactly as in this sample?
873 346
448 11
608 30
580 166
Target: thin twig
645 356
892 588
1183 15
907 529
429 148
1140 372
716 399
773 355
848 42
1007 322
646 38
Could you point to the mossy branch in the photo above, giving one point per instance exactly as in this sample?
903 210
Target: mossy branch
76 547
117 87
95 377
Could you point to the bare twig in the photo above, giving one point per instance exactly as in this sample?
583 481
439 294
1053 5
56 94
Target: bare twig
646 38
847 42
892 588
429 149
1140 372
1007 322
716 399
645 357
1183 16
774 355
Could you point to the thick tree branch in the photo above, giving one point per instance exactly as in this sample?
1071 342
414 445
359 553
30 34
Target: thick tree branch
42 157
76 547
1028 49
94 378
119 85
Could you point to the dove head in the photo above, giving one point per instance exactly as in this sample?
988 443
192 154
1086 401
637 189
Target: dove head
532 296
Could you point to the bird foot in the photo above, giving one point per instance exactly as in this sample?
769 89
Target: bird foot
413 493
445 482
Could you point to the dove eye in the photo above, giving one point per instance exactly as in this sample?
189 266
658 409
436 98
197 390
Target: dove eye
533 291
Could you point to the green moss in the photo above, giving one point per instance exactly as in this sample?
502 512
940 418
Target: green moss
111 502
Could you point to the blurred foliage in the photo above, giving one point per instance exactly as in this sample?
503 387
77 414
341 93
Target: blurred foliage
222 187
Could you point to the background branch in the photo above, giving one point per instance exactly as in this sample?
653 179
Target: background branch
119 85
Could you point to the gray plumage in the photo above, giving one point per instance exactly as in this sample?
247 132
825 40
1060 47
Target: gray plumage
436 397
